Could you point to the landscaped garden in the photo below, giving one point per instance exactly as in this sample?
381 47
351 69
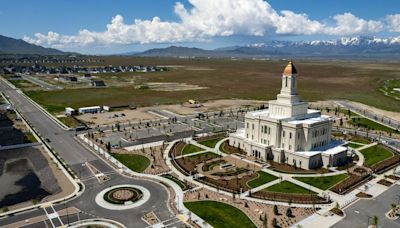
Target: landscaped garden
288 187
227 149
220 214
261 179
375 154
323 183
135 162
181 184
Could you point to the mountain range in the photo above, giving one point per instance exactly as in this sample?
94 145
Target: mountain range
10 45
348 47
352 47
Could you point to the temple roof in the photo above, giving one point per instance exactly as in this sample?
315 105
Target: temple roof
290 69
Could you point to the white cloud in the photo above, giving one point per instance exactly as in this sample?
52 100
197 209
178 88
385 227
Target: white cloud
393 22
348 24
210 18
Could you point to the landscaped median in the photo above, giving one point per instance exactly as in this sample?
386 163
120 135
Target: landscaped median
220 214
322 182
261 179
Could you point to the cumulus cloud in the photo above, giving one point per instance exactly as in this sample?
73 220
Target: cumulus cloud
393 22
210 18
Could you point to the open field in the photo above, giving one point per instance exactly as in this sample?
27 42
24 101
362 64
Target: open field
375 154
262 178
323 183
288 187
235 79
220 214
135 162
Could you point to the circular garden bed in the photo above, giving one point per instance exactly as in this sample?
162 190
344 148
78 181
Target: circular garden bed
122 195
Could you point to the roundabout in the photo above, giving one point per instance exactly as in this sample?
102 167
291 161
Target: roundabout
122 197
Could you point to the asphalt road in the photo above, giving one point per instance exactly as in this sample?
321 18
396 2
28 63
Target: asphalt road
76 155
357 214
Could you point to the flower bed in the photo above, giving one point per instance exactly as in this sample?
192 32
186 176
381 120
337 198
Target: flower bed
385 182
363 195
289 197
350 183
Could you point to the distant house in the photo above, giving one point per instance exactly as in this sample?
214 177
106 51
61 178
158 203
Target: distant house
98 83
71 78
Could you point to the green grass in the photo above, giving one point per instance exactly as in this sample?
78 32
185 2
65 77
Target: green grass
323 183
375 154
346 112
189 149
361 140
206 154
288 187
355 146
220 215
135 162
262 178
181 184
69 121
211 142
369 124
30 138
24 84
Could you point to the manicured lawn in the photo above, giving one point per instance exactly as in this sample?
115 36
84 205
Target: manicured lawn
361 140
369 124
220 214
375 154
288 187
353 145
262 178
135 162
189 148
206 154
323 183
210 142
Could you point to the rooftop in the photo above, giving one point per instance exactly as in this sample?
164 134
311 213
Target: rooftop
290 69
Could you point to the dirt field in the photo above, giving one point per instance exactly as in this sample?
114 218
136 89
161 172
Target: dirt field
144 114
241 79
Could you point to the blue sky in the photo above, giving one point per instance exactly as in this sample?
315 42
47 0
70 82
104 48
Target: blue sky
201 23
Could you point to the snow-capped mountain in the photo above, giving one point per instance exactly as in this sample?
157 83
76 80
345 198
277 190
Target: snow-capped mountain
346 47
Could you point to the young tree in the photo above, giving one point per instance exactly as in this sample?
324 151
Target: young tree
289 212
276 211
375 220
274 222
265 220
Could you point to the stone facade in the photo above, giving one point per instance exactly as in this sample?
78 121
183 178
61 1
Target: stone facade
289 132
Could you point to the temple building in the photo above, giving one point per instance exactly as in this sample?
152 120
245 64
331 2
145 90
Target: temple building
288 132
